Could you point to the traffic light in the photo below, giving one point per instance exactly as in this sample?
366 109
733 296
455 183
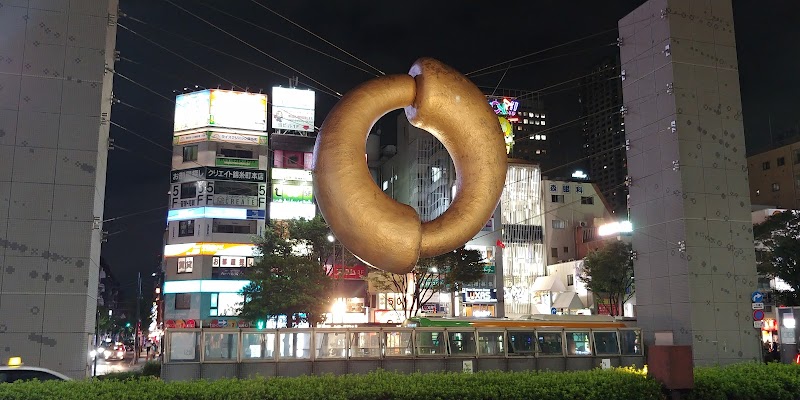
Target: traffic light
261 324
127 324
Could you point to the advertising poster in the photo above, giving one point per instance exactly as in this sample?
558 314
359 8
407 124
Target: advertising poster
292 186
191 110
293 109
238 110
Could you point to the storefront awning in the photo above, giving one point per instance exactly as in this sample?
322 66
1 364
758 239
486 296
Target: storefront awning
569 300
548 284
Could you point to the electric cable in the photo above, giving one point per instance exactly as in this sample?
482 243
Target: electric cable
543 59
150 113
214 49
253 24
251 46
141 137
134 214
318 36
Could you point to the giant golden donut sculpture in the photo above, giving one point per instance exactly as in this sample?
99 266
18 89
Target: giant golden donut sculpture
377 229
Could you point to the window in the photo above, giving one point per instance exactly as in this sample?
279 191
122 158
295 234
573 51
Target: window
189 153
797 180
550 343
234 153
225 304
559 224
185 265
566 250
578 344
10 376
797 156
554 252
183 301
186 228
570 280
776 187
188 190
234 226
781 161
606 343
236 188
557 198
587 199
765 165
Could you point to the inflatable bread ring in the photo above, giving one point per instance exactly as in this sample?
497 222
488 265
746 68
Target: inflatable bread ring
374 227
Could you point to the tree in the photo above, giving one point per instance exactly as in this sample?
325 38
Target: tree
449 271
778 244
288 278
608 274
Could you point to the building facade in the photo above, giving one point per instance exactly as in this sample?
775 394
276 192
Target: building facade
774 177
604 133
689 198
55 105
569 206
524 123
217 203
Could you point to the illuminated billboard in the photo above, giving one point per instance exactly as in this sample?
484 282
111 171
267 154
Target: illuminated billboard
209 249
214 212
293 109
504 106
221 108
292 194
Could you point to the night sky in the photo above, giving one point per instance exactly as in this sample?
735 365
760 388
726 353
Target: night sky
389 36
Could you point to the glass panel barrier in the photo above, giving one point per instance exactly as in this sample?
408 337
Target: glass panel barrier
294 345
578 344
605 343
491 343
184 346
521 343
462 343
631 341
365 344
331 344
220 346
431 343
258 346
550 343
398 344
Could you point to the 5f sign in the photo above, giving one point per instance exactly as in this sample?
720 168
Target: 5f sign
192 194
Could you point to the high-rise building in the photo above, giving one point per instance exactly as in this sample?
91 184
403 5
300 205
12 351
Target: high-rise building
217 203
604 133
774 177
695 264
523 113
55 106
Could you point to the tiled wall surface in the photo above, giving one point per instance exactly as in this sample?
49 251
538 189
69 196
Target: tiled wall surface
55 101
689 196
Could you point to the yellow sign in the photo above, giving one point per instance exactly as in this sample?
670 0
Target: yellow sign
209 249
508 133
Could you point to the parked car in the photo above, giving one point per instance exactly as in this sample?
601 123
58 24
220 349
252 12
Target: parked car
14 371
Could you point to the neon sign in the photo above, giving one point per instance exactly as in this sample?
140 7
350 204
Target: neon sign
504 107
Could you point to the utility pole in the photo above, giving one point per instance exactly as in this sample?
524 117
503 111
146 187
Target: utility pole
136 348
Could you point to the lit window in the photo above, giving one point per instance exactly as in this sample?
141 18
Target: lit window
776 187
543 122
538 137
538 152
525 121
758 192
436 174
544 137
537 115
385 185
538 123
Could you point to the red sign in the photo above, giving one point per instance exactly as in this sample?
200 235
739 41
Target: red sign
349 272
180 323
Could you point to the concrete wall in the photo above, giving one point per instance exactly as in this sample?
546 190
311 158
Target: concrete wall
55 104
689 198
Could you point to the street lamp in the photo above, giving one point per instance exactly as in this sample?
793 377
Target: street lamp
331 238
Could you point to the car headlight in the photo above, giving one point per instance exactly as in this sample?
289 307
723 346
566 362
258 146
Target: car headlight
107 353
120 354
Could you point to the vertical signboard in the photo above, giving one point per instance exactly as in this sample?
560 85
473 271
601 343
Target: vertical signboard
293 109
292 194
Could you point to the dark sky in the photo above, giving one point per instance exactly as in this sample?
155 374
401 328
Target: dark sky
390 36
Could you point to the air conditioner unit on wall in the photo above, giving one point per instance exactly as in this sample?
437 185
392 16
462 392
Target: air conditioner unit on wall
583 224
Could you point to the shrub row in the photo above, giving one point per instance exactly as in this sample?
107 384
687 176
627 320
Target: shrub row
746 381
597 384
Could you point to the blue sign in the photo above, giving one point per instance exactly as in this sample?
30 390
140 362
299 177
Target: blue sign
757 297
553 311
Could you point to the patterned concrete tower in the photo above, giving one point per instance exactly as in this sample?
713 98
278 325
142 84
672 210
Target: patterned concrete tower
689 201
55 105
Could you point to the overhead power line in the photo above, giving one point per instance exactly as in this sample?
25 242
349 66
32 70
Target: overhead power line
317 36
248 44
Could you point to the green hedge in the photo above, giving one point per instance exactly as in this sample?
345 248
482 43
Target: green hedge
754 381
597 384
747 381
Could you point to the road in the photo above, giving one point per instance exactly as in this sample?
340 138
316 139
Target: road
108 366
